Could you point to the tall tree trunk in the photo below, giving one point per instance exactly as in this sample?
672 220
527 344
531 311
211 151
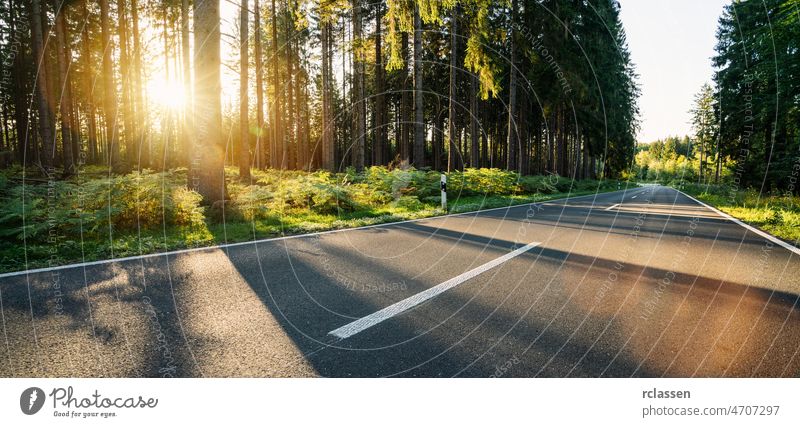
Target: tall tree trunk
51 74
5 137
141 151
451 111
474 161
438 138
244 111
75 124
65 107
278 153
562 141
124 71
208 178
309 161
419 106
550 130
702 144
48 147
25 140
522 136
188 126
300 83
291 119
718 165
405 107
379 126
359 106
576 167
168 114
109 89
537 149
327 149
484 134
513 121
260 150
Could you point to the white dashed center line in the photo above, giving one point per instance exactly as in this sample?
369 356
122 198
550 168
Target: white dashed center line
373 319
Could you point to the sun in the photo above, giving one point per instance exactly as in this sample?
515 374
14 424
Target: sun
166 93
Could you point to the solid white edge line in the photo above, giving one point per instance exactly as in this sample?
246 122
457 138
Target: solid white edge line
379 316
271 239
745 225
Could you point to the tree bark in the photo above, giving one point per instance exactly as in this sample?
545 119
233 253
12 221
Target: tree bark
513 121
419 106
278 154
109 89
208 178
48 147
188 126
327 146
291 113
474 160
140 147
124 71
25 141
452 158
359 105
260 151
244 111
405 107
379 143
65 107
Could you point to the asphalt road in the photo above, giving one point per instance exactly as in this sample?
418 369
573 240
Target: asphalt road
644 282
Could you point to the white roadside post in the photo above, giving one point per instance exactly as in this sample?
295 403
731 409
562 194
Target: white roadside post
444 192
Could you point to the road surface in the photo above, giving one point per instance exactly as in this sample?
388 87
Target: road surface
645 282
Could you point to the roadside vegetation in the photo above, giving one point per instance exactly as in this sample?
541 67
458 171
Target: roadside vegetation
777 213
92 216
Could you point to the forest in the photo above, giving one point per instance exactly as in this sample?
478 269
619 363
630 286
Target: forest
133 126
757 93
133 85
144 125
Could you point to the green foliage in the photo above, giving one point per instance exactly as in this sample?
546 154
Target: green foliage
678 159
410 203
757 93
251 201
93 217
92 208
537 184
777 213
483 181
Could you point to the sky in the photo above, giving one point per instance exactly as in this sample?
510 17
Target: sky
671 43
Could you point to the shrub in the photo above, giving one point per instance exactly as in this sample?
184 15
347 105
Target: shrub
536 184
125 203
400 182
483 181
317 191
411 203
250 201
363 194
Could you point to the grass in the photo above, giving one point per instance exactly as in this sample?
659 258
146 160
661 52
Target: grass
777 213
94 216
